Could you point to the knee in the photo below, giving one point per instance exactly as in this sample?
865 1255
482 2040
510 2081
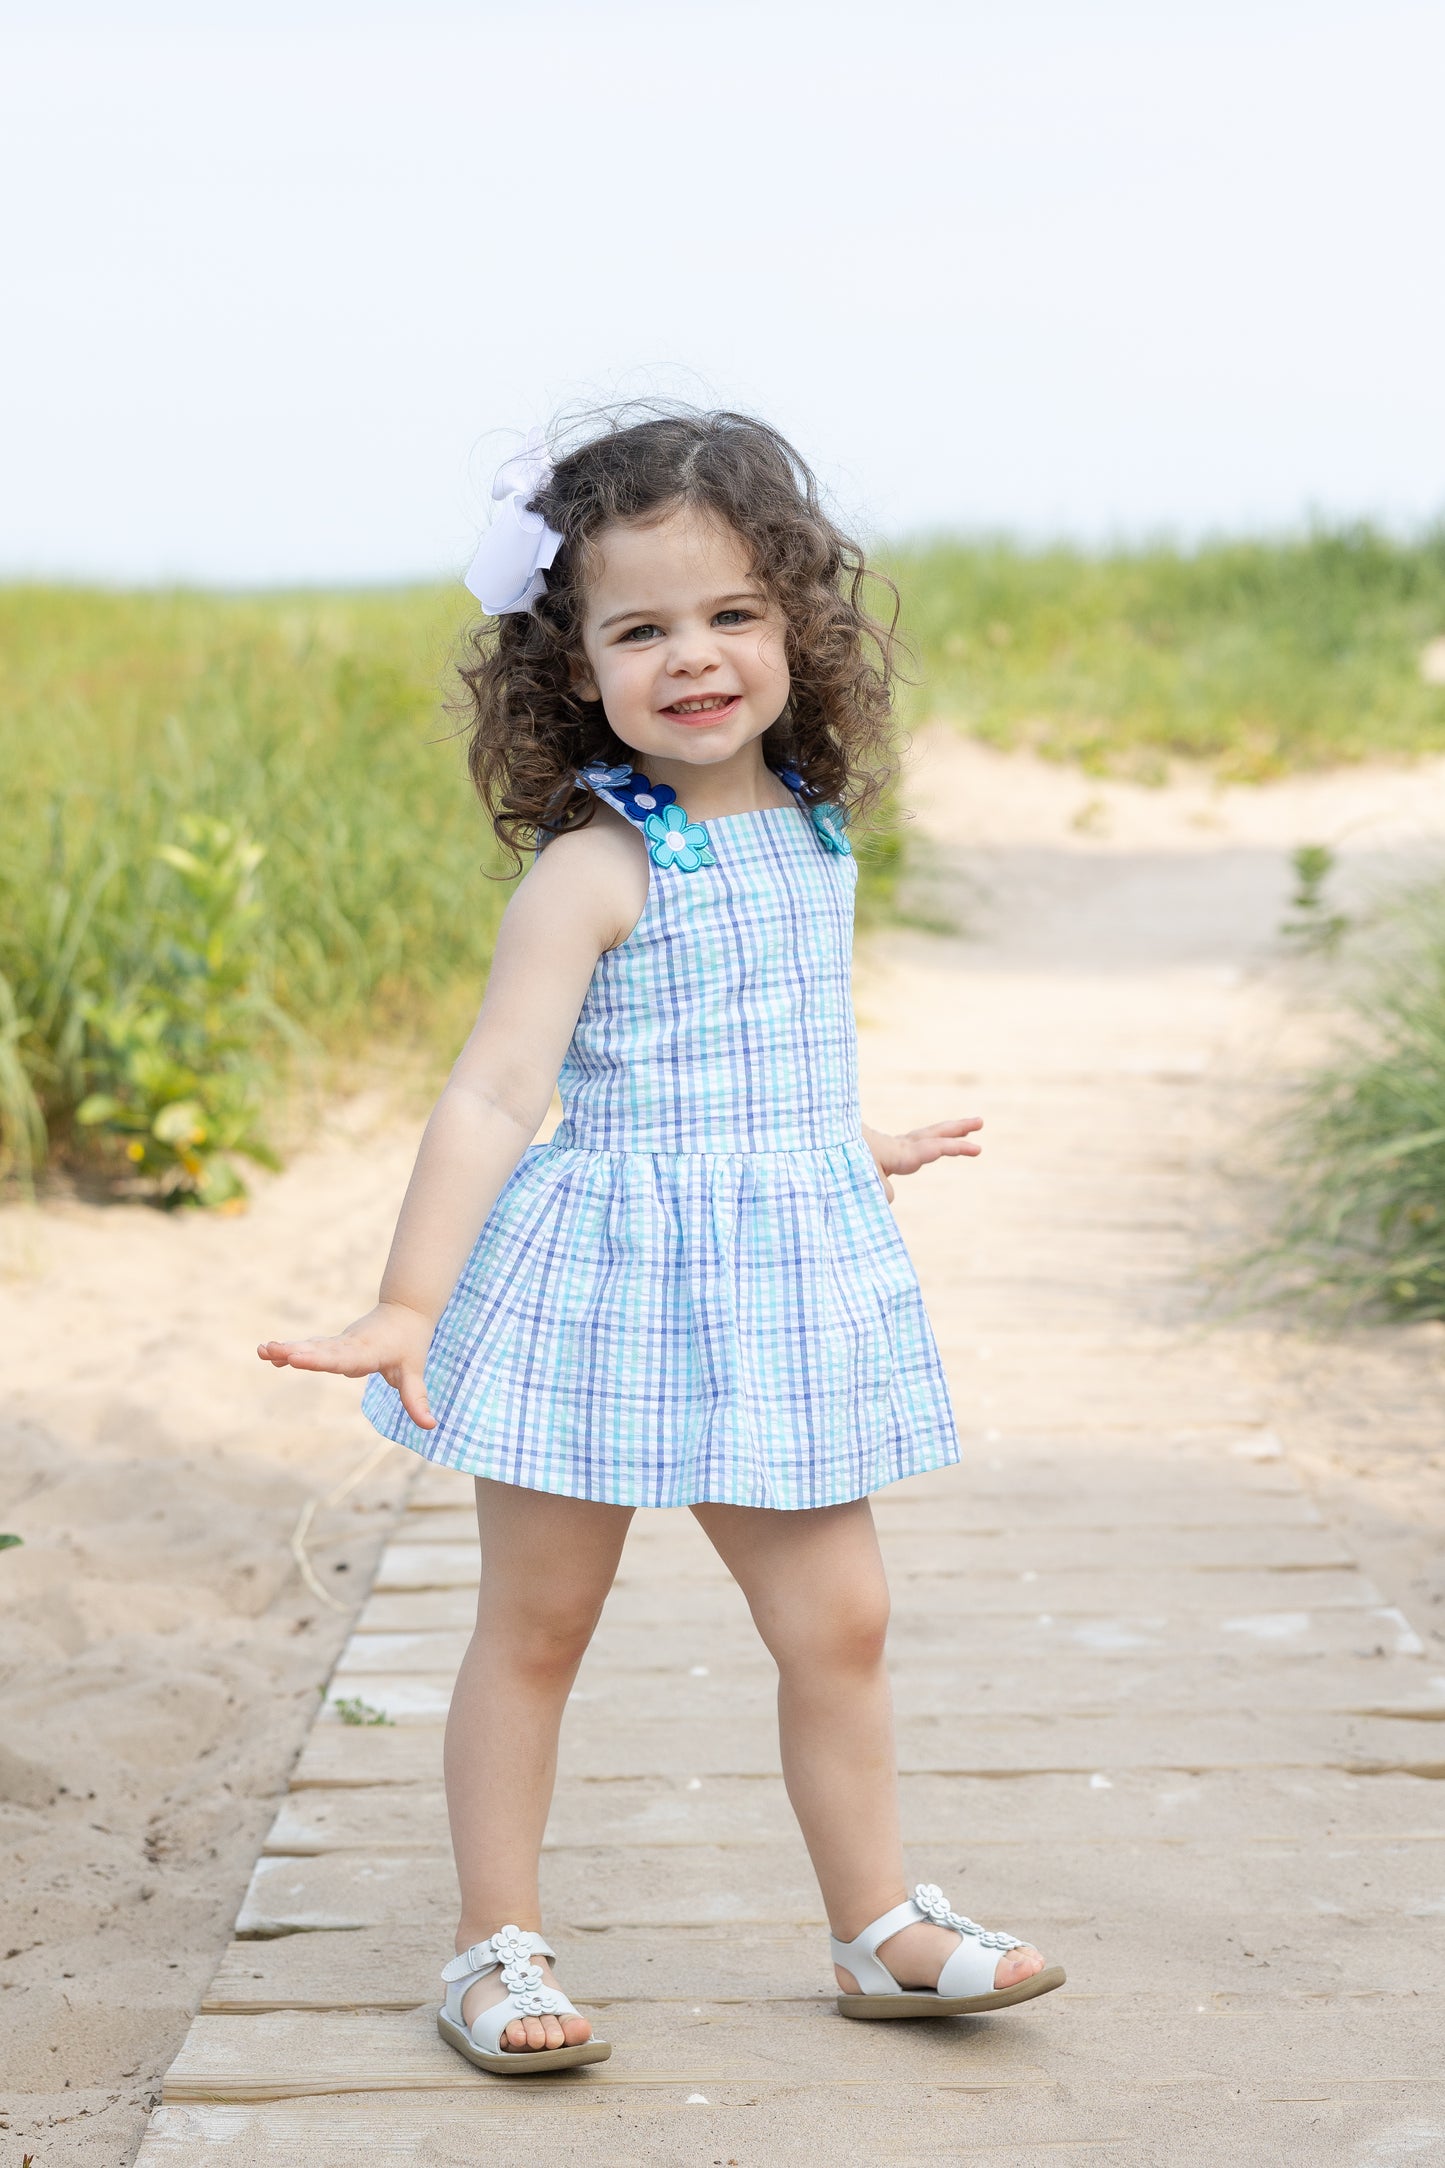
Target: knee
846 1639
543 1640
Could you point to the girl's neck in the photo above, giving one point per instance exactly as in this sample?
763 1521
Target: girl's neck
743 783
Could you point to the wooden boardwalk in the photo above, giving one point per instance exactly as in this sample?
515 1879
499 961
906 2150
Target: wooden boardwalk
1151 1713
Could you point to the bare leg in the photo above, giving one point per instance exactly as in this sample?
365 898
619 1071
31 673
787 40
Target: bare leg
816 1588
547 1564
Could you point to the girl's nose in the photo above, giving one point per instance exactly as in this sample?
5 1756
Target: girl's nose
689 654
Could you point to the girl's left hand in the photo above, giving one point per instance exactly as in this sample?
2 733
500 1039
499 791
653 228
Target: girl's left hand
920 1147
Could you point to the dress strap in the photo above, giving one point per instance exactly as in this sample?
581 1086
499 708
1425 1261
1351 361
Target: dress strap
827 820
674 840
671 838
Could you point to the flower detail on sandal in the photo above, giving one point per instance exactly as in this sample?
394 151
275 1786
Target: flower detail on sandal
522 1979
932 1903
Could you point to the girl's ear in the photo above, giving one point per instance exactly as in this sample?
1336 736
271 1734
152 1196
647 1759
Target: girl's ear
580 678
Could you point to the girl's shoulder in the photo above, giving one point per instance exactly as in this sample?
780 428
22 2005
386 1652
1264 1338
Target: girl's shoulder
600 868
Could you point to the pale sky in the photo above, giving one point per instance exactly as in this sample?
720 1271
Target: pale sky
282 283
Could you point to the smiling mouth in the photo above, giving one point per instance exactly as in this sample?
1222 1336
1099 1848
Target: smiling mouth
704 710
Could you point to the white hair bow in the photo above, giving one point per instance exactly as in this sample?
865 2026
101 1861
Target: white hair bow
509 570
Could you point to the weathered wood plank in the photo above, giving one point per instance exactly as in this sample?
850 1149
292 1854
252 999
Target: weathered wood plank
1250 1807
290 2054
1052 1887
396 1966
704 1590
1259 1640
964 1551
709 1608
1059 1681
1177 2125
989 1745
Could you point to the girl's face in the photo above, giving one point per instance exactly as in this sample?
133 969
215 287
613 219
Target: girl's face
682 647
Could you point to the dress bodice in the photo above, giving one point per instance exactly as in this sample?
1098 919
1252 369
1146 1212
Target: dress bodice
724 1022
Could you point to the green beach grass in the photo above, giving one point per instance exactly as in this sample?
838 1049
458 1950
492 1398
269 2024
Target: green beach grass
1254 657
311 729
235 829
1362 1230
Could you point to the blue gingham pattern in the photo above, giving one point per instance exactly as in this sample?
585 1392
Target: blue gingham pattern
695 1290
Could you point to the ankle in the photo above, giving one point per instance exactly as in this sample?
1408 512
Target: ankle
872 1908
485 1925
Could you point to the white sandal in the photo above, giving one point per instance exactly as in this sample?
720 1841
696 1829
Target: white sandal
965 1985
528 1995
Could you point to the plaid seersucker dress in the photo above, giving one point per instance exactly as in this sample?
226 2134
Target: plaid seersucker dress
695 1289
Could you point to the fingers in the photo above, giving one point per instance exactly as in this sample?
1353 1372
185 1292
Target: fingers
355 1357
942 1140
340 1356
411 1384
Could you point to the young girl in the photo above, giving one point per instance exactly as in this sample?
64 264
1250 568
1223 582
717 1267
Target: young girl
694 1294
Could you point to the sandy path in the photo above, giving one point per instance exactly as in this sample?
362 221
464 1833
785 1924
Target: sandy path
161 1657
1116 1005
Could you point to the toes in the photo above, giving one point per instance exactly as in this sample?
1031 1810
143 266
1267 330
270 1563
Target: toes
575 2030
1016 1965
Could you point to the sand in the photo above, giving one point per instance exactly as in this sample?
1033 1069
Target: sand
161 1652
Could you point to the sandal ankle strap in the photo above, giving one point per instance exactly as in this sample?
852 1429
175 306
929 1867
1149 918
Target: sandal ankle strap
507 1946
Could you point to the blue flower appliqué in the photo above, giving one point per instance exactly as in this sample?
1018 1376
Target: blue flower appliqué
674 840
827 822
831 832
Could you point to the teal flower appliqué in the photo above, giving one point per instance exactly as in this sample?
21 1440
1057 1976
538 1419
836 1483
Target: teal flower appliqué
831 832
674 840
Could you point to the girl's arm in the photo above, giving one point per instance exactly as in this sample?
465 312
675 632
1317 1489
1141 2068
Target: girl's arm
920 1147
582 896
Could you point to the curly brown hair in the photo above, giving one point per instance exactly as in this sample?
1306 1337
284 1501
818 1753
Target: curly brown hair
530 731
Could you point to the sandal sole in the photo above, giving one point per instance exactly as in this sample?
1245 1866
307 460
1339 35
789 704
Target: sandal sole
521 2062
925 2002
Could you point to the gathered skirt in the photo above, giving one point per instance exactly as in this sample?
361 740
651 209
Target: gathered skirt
663 1329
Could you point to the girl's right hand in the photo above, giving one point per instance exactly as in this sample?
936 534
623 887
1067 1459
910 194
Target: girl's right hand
391 1340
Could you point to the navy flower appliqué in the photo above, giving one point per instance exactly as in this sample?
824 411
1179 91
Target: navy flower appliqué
672 839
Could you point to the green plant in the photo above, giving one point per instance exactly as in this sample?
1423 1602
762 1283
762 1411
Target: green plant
173 1049
9 1543
308 726
351 1710
1311 924
1365 1218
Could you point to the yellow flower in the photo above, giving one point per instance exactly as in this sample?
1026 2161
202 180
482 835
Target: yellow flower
135 1149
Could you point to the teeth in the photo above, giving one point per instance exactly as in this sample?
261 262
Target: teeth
700 707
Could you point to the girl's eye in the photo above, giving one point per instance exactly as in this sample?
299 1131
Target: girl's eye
733 617
640 632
